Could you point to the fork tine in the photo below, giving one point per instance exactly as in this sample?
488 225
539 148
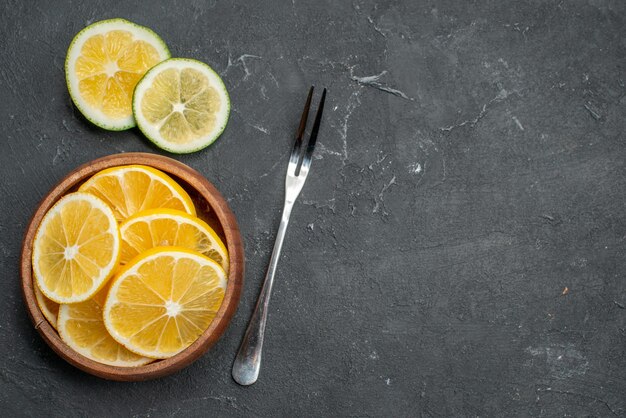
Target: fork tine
305 115
295 154
306 161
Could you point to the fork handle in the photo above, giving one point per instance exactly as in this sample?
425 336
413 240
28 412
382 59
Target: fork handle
248 360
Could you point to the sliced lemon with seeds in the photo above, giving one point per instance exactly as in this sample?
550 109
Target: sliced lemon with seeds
132 188
181 105
103 65
76 247
81 327
163 300
167 227
49 308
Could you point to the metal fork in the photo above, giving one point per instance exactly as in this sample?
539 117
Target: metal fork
248 360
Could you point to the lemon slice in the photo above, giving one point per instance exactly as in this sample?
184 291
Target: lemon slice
76 247
103 65
163 300
49 308
167 227
133 188
181 105
82 328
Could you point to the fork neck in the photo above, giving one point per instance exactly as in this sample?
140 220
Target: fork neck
287 208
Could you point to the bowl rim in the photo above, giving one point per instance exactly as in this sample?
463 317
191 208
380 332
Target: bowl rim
235 274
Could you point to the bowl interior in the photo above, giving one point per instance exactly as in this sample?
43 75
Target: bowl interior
210 207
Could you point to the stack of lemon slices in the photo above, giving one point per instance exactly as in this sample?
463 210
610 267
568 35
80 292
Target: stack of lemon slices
125 271
120 75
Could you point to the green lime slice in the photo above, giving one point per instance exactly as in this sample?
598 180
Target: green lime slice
181 105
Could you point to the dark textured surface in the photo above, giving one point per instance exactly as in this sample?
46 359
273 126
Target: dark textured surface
458 249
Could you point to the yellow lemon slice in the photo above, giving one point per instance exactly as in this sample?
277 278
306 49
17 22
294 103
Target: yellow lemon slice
81 327
49 308
163 300
132 188
167 227
103 65
181 105
76 247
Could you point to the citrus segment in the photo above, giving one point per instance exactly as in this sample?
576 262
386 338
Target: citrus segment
133 188
82 328
167 227
76 247
163 300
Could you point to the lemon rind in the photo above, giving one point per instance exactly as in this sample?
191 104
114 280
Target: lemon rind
50 317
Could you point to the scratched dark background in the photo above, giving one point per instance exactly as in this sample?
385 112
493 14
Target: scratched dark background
458 249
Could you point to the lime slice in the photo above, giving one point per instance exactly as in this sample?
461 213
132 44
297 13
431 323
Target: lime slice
181 105
103 65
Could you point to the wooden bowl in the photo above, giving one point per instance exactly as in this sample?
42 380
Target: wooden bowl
211 207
